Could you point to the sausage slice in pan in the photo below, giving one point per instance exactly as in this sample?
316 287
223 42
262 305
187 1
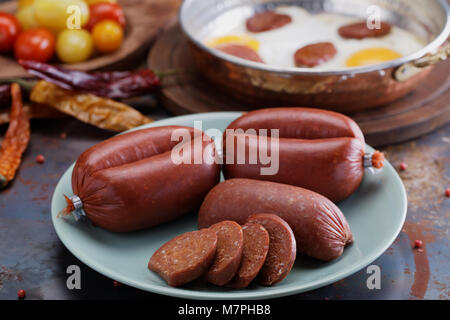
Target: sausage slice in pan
360 30
315 54
266 21
241 51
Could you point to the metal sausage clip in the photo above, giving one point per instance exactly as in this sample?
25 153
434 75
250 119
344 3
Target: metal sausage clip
367 163
78 213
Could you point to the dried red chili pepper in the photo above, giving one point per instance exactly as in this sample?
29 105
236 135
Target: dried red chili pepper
114 85
16 139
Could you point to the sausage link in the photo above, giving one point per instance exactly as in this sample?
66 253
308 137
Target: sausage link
318 150
332 167
300 123
321 230
131 182
125 148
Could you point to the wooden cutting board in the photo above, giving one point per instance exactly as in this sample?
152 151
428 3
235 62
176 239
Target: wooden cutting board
421 112
144 21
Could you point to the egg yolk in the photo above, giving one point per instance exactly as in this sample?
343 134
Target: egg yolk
235 39
372 56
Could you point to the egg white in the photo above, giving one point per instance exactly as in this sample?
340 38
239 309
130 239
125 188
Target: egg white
277 47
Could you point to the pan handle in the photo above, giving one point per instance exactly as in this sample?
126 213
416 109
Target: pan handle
407 70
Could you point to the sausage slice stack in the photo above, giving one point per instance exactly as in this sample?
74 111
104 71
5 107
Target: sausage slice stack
228 254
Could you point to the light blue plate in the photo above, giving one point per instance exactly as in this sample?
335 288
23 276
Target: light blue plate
376 213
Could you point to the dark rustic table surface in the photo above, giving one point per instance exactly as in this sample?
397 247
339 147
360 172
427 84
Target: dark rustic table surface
33 258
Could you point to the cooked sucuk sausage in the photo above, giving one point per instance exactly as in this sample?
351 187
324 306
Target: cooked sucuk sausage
360 30
256 247
268 20
318 150
230 242
320 228
130 182
282 249
185 258
314 54
240 51
300 123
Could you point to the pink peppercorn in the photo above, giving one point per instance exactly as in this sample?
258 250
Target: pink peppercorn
418 243
116 283
403 166
447 192
21 294
40 159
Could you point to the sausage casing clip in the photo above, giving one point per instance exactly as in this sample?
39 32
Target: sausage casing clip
78 213
368 160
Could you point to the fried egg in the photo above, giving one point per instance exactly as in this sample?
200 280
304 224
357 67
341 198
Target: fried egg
372 56
277 47
234 39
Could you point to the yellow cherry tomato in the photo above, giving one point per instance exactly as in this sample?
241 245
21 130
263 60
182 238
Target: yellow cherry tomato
25 3
26 18
57 14
107 35
89 2
74 46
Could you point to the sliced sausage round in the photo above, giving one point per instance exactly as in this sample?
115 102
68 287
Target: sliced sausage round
315 54
282 249
230 243
186 257
268 20
360 30
256 247
240 51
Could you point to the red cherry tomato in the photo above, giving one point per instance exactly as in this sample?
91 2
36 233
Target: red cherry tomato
9 30
35 44
105 11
